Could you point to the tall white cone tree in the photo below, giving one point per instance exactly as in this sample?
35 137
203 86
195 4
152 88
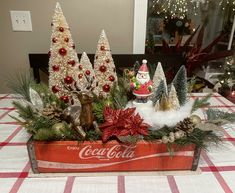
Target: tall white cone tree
104 67
173 99
84 70
158 77
63 57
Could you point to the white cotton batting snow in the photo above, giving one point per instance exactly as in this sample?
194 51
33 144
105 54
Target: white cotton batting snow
158 119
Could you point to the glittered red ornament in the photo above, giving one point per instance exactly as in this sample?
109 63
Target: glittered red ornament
71 62
111 78
102 48
107 60
106 88
68 80
55 89
61 29
55 68
65 98
88 72
80 67
62 51
80 76
66 39
49 54
54 40
103 68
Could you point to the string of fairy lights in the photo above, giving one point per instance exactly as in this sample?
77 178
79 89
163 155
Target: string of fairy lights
227 3
228 77
180 8
183 8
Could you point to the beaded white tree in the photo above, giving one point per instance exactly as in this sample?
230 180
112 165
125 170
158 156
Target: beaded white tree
63 57
85 71
104 67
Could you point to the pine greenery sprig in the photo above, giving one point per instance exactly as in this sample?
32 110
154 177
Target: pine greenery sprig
219 117
25 112
118 95
118 98
199 103
45 135
19 83
70 134
200 138
40 123
93 135
158 134
40 88
180 83
98 109
50 134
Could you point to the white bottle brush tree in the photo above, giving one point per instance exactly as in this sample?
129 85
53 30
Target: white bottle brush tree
85 71
104 67
63 57
159 76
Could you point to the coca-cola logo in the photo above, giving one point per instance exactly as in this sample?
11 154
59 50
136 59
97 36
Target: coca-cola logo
107 153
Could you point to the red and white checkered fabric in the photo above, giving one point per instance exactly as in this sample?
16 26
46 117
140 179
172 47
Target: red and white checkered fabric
217 165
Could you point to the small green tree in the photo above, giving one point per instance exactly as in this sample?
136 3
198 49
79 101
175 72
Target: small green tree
161 89
180 83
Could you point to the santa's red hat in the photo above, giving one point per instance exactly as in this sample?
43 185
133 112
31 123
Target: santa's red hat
143 68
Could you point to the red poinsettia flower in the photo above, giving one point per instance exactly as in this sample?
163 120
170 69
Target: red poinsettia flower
122 122
137 126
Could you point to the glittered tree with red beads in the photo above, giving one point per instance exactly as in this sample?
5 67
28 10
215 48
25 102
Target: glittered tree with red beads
85 71
63 58
104 67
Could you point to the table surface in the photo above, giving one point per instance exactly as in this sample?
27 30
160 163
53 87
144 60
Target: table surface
217 165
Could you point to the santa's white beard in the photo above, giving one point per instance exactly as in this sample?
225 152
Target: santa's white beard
142 80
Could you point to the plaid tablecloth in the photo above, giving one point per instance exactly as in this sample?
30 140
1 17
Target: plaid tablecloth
217 165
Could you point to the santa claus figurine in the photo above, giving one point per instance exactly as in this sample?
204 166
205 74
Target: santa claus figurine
141 84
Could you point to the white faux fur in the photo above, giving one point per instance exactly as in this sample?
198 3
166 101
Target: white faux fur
158 119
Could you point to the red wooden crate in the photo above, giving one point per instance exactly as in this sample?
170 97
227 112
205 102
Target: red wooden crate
72 156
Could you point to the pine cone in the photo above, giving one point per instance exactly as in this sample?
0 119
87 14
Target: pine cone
186 125
52 112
